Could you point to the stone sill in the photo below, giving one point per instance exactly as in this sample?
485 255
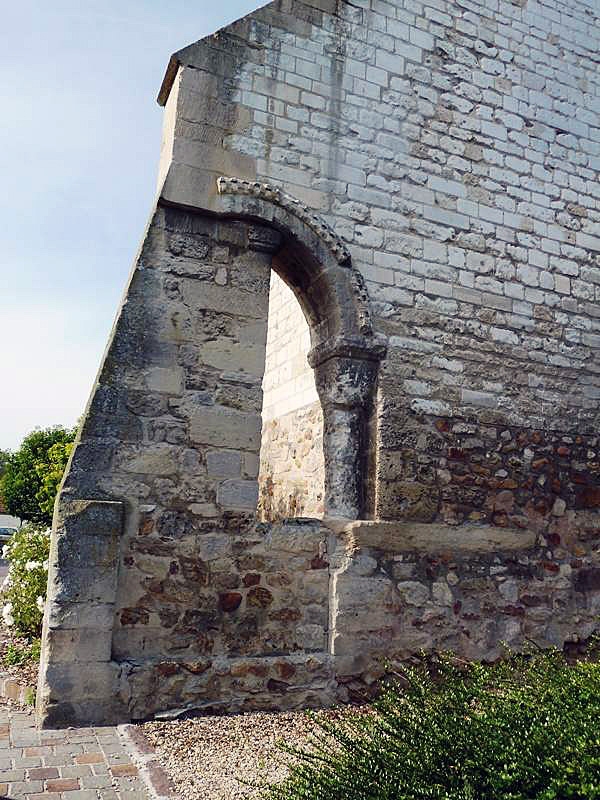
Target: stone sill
410 537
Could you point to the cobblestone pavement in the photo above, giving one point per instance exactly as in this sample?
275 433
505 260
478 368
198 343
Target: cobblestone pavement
73 764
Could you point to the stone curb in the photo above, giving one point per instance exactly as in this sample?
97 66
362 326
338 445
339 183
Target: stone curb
11 689
157 782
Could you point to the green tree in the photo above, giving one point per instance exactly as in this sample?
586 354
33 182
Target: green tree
50 473
4 456
31 471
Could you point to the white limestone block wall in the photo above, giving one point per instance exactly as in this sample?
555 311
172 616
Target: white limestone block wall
291 458
454 146
289 382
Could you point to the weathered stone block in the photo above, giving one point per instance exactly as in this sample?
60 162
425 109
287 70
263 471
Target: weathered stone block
247 357
168 380
86 615
414 593
93 693
88 551
72 585
224 463
223 427
227 300
80 645
89 517
238 495
154 459
406 537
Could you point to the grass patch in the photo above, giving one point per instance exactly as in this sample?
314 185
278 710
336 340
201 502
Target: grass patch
527 728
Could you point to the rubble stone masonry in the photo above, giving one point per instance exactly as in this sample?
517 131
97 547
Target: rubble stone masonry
424 177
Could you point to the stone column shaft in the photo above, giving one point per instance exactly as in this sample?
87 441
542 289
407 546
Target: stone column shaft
343 475
346 374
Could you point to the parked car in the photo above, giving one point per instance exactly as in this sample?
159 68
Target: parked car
6 533
8 526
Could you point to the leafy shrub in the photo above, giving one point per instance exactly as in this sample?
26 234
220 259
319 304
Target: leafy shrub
24 588
17 654
523 729
32 474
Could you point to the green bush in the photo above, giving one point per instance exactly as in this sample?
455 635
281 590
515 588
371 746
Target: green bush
24 588
524 729
4 457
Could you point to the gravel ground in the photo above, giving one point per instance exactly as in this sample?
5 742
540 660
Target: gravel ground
208 757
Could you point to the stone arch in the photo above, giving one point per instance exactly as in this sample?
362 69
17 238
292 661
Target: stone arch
312 260
345 353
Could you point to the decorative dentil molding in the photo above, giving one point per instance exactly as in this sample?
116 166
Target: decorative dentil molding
362 301
264 191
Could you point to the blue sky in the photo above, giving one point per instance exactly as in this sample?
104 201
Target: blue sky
79 138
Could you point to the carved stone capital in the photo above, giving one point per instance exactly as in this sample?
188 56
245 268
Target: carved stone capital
346 382
359 347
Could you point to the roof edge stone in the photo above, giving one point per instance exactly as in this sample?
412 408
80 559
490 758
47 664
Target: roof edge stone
182 57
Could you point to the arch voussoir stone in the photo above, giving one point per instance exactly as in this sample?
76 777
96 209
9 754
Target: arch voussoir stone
272 194
322 251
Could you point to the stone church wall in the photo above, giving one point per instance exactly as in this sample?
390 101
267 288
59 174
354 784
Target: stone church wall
403 589
425 175
454 146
